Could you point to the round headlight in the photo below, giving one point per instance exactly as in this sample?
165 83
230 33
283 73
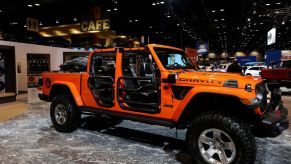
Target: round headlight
248 87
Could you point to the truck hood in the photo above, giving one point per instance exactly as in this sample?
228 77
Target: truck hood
215 78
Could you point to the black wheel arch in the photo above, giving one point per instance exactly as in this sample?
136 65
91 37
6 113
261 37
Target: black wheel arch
59 89
205 102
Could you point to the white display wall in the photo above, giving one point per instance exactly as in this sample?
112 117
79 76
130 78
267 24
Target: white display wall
21 50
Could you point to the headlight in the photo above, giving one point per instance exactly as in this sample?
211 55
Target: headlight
248 87
231 83
250 101
254 100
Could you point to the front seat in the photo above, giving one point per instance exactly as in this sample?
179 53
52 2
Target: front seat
146 93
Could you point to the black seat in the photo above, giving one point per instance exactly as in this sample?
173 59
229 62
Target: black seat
139 92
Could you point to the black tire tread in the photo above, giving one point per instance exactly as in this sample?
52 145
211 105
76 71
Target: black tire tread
247 143
74 114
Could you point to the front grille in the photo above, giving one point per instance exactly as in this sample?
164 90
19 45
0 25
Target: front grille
261 92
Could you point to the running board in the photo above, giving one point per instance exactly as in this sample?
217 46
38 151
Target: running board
126 116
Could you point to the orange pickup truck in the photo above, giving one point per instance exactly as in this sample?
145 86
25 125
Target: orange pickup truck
158 84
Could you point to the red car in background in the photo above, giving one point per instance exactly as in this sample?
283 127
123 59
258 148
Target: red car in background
278 74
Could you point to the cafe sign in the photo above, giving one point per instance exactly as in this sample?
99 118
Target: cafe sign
95 25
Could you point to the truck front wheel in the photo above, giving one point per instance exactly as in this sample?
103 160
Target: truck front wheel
64 114
218 138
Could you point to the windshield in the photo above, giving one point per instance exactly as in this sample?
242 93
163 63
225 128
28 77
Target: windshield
173 59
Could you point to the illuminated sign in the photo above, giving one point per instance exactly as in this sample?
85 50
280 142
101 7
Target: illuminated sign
202 47
271 37
95 25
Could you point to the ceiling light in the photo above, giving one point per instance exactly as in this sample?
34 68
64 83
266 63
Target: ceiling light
213 11
249 19
37 4
222 19
158 3
261 23
25 26
29 5
162 2
221 9
178 24
278 3
268 4
0 11
154 4
130 21
40 23
108 10
57 22
136 20
283 23
169 16
75 19
115 9
215 20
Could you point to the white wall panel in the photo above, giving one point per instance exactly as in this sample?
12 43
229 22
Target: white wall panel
21 50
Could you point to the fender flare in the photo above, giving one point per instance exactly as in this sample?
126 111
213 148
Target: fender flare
73 89
196 97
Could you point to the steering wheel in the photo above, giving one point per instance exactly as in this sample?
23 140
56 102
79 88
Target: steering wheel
183 59
175 65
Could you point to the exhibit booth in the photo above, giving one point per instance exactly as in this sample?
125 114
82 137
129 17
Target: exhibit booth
21 65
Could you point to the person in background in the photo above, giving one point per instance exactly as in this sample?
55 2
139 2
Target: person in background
234 67
244 68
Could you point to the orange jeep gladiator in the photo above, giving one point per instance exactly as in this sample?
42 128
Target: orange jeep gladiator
158 84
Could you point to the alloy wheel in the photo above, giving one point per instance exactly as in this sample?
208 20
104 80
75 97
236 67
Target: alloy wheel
216 146
60 114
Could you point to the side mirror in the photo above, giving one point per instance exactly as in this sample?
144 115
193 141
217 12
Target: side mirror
171 79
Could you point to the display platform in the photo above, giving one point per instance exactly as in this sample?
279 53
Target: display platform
7 97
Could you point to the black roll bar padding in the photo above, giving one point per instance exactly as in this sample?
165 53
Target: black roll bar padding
110 87
101 77
155 107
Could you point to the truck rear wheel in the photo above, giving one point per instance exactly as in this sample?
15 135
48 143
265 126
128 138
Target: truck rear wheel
218 138
64 114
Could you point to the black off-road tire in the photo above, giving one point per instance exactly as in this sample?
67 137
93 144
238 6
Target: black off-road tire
241 135
73 113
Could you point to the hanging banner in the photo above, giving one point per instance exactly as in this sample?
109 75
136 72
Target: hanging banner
31 24
192 54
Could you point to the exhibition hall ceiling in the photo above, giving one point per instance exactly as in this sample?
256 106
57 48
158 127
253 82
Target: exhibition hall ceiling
228 25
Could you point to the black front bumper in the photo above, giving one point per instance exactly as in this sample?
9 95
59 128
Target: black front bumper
275 121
